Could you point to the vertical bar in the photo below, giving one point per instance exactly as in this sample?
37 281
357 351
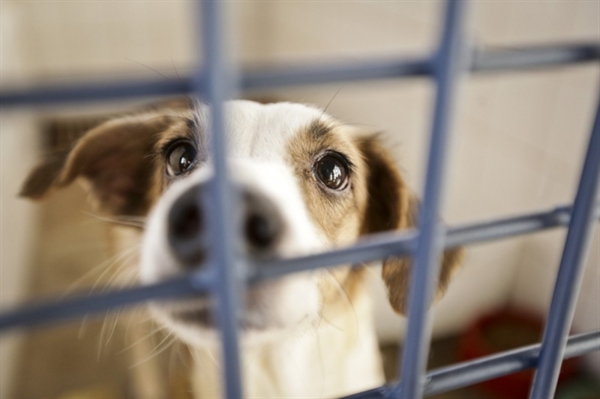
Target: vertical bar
570 273
449 62
218 85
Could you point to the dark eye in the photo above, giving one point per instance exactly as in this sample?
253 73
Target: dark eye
180 158
332 170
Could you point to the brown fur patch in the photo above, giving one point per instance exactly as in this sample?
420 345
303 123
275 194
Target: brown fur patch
116 160
336 214
393 207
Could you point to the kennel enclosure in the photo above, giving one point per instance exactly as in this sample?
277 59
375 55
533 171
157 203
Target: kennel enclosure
216 81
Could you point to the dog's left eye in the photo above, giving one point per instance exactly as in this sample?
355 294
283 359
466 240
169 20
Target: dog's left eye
180 158
332 170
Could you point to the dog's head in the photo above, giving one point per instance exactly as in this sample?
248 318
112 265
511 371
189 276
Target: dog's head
306 182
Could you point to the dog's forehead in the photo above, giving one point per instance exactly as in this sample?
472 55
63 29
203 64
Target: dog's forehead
263 130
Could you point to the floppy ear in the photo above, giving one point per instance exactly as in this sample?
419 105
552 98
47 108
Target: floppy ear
115 159
392 206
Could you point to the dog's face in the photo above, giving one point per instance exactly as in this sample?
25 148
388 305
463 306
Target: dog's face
306 183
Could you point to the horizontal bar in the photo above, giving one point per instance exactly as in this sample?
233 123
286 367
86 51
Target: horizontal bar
78 305
533 57
378 246
383 245
95 91
333 73
525 57
494 366
486 368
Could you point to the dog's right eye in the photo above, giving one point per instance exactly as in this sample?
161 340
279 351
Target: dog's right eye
180 158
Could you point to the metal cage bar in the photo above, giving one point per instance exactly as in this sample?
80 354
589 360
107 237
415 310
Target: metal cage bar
225 274
482 61
449 63
486 368
221 199
570 272
377 247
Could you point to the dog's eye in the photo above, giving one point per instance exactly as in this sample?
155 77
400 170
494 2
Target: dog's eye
180 158
332 170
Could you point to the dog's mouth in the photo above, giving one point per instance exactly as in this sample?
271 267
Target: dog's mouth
205 318
201 317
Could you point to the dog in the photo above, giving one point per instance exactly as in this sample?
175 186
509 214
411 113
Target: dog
306 183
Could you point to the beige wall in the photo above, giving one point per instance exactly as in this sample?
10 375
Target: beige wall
520 136
18 151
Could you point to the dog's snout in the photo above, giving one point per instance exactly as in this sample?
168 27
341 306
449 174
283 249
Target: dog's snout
186 227
261 225
262 222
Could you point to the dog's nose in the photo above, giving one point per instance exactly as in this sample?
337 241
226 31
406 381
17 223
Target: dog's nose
185 227
261 225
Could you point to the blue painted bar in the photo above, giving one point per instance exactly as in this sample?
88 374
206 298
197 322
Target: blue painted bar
55 311
450 61
570 273
383 245
271 78
93 91
376 247
486 368
533 57
519 58
219 86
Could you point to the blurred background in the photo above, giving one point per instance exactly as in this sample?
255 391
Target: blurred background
519 147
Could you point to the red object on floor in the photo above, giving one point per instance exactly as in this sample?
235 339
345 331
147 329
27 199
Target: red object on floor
505 330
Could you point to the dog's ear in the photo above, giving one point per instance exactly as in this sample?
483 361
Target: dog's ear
392 206
115 159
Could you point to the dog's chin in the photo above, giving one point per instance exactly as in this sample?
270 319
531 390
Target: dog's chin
198 327
203 318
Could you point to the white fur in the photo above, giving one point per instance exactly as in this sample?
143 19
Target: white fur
305 357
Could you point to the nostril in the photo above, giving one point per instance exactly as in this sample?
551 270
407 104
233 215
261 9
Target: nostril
260 231
262 224
185 228
186 225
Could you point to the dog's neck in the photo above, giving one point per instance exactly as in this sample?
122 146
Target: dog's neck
335 356
338 356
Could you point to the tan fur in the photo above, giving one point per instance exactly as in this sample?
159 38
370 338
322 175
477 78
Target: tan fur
392 206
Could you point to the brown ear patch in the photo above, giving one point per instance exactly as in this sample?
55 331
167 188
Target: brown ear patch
117 161
392 206
388 194
44 176
396 273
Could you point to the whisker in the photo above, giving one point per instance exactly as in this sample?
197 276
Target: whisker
332 98
149 68
145 337
101 339
345 294
135 313
114 326
169 338
112 260
81 331
184 360
119 274
127 253
124 221
126 282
